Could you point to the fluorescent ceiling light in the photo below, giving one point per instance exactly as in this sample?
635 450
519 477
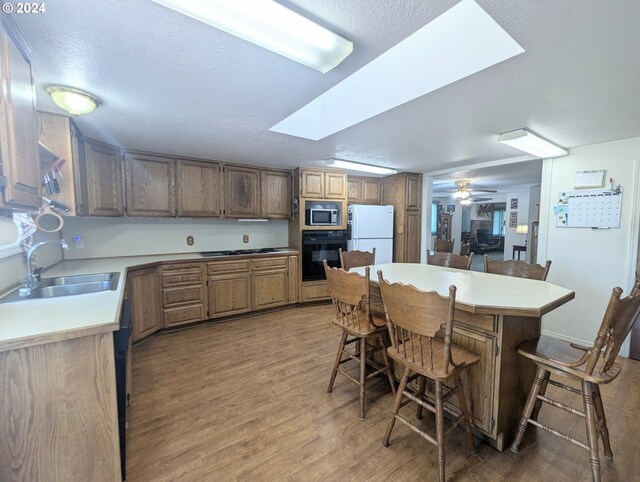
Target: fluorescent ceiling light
269 25
74 101
460 42
531 143
357 166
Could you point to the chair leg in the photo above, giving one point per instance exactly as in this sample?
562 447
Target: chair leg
387 364
422 387
592 434
396 406
543 390
462 401
528 408
602 419
336 364
363 373
440 429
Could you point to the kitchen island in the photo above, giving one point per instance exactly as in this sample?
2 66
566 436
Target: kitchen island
494 314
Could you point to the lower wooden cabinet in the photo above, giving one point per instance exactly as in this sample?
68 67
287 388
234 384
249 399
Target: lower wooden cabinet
229 294
270 283
315 291
184 297
146 309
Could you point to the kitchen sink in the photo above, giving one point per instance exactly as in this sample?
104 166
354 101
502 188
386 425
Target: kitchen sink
67 286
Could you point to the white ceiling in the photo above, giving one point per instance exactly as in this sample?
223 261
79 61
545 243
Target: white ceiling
171 84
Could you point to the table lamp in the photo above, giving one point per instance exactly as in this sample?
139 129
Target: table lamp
522 229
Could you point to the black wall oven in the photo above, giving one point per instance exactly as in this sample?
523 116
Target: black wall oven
320 245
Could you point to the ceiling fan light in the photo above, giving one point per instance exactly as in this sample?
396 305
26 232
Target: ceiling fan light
465 202
531 144
74 101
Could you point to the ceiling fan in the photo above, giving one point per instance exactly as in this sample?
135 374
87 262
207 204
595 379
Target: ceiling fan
464 191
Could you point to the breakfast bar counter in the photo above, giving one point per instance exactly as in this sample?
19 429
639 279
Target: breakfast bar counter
494 314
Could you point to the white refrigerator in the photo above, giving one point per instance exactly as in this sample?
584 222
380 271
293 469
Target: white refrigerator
371 227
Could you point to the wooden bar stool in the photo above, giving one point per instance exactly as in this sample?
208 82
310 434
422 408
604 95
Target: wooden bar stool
450 260
350 295
414 317
355 258
517 269
443 246
590 366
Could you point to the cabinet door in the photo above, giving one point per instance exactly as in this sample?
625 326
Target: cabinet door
103 168
18 138
335 185
312 184
414 191
242 188
146 308
412 237
354 189
270 288
229 294
150 185
294 280
371 190
199 189
276 194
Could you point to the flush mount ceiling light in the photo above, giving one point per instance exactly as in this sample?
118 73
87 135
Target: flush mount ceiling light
531 144
357 166
74 101
271 26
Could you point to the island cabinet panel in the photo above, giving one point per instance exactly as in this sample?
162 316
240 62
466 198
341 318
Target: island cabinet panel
146 307
312 184
150 182
229 288
101 171
18 136
184 294
276 194
199 187
242 192
270 282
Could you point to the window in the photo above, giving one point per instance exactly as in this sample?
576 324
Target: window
498 221
434 218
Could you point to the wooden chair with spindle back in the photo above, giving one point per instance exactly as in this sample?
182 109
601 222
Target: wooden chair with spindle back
591 366
350 296
355 258
450 260
443 246
517 268
413 319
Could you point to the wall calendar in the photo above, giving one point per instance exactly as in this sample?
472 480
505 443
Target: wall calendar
594 208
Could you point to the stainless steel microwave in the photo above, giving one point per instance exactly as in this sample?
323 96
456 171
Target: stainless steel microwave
321 217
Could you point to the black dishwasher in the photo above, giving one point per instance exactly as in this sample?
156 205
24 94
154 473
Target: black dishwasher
121 347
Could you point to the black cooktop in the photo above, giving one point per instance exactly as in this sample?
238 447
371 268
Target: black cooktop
237 252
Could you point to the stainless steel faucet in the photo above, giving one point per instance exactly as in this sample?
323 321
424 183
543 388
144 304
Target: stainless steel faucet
32 280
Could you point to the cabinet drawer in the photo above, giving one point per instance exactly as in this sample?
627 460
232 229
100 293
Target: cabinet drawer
270 263
180 296
476 322
228 267
184 314
181 276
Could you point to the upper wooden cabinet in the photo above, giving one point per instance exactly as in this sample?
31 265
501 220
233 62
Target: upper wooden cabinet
199 189
276 194
414 191
150 182
242 192
364 190
320 184
100 180
404 191
18 138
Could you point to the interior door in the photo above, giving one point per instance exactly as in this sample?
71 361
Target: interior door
634 352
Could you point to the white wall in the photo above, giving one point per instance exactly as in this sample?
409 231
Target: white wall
106 237
425 234
591 262
512 238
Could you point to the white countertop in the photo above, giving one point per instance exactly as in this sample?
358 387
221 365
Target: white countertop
30 322
478 292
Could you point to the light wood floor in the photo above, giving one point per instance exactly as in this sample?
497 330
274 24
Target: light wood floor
246 400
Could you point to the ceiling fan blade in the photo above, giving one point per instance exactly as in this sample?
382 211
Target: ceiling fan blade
484 190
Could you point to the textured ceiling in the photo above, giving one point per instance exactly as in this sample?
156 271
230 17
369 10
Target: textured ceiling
171 84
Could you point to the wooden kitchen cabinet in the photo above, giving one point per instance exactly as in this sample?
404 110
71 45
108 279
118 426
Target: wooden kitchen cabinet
364 190
146 308
294 280
270 282
404 192
276 194
18 135
199 189
150 185
184 294
323 184
229 287
100 180
242 192
335 185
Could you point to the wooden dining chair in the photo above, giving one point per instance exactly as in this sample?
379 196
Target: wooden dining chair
517 268
443 246
413 319
450 260
355 258
591 366
350 296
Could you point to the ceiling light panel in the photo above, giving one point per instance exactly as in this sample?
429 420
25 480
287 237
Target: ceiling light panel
528 142
460 42
269 25
357 166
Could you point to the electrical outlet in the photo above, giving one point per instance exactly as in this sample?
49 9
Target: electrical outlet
190 240
245 238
